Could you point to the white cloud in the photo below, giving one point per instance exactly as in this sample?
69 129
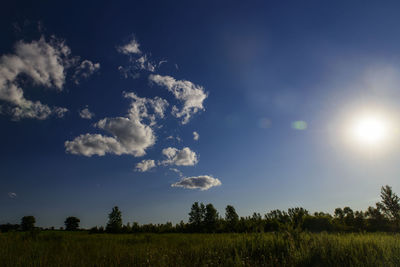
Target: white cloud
85 70
203 182
45 63
134 136
130 48
86 114
143 63
184 157
145 165
94 144
130 135
196 136
190 94
139 107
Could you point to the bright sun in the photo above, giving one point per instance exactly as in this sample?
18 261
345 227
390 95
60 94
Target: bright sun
371 130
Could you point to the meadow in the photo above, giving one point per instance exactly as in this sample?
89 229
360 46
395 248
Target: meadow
62 248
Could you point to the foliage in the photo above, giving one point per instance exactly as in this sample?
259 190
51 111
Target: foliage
71 223
114 224
28 223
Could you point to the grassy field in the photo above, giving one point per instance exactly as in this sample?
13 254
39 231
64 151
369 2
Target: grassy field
283 249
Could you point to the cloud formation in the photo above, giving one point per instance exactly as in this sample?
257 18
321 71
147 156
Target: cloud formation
196 136
145 165
45 64
138 60
203 182
184 157
131 135
85 70
130 48
190 94
86 114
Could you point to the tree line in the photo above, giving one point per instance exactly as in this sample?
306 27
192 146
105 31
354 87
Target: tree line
385 216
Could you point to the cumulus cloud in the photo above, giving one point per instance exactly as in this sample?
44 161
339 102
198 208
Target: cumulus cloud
94 144
203 182
145 165
86 114
45 64
85 70
131 135
184 157
196 136
130 48
190 94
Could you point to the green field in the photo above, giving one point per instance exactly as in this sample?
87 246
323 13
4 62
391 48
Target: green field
281 249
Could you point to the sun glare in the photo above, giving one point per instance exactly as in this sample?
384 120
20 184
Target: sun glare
371 130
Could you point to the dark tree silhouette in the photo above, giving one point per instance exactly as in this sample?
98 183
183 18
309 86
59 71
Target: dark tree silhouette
296 216
211 218
390 203
231 218
196 216
28 223
71 223
114 224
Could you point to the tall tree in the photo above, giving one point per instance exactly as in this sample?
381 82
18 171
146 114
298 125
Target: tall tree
211 218
114 224
28 223
196 216
231 218
71 223
390 203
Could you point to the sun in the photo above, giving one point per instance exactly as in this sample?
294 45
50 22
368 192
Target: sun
370 130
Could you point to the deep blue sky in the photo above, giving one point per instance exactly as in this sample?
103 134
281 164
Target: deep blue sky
264 65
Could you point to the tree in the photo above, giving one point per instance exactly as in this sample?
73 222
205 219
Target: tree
348 216
211 218
339 213
232 218
196 216
114 224
296 216
390 203
71 223
28 223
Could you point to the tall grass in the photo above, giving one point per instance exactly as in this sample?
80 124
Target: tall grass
270 249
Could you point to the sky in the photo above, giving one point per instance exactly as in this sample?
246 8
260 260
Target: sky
153 105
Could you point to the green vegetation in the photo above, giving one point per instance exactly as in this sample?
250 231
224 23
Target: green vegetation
279 238
60 248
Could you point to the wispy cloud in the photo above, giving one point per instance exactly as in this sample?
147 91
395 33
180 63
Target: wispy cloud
190 94
196 136
85 70
12 195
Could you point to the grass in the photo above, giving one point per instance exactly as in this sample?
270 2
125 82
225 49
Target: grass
269 249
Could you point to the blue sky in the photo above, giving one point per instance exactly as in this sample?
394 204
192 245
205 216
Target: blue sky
150 73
